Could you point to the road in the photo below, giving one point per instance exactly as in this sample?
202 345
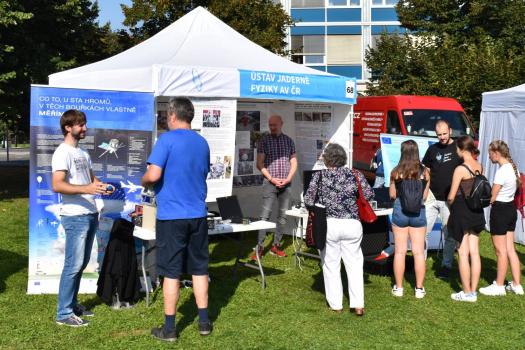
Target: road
15 154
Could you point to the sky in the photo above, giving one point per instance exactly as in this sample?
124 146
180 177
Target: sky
110 11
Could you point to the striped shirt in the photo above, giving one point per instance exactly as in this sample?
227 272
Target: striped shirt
277 152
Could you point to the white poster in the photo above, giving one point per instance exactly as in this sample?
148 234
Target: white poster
313 128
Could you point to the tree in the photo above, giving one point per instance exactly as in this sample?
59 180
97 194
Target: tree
261 21
40 38
455 48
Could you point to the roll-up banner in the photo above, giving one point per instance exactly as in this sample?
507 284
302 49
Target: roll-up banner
118 140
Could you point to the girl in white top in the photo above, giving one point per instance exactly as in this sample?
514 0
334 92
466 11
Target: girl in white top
503 218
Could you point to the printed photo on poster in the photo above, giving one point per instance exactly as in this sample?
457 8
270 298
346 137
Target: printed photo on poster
245 168
221 168
211 118
248 120
246 154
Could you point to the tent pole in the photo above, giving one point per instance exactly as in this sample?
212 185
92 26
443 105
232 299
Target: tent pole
350 117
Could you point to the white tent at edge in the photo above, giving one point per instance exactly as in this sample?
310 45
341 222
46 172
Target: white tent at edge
200 56
503 118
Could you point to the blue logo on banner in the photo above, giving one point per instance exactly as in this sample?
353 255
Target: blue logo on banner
386 140
299 87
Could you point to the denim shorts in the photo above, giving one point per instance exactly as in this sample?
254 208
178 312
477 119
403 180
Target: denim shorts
182 247
400 219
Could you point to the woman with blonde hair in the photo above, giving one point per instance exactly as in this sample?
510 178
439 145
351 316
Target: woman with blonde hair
465 224
503 218
409 225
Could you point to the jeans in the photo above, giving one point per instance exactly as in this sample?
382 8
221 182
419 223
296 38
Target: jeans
433 209
270 194
80 233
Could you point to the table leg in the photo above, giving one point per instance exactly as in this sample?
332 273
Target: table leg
263 282
143 258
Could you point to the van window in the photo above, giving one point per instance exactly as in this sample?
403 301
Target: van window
392 123
423 122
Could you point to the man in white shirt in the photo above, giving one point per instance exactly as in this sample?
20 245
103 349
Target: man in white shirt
73 178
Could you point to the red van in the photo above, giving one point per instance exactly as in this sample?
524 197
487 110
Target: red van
405 115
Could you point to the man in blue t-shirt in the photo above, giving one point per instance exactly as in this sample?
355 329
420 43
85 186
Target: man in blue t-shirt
178 167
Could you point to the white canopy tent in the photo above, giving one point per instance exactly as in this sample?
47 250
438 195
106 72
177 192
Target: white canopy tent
200 56
503 118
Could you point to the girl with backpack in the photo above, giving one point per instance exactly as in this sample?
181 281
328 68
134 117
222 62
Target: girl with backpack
409 183
465 224
503 218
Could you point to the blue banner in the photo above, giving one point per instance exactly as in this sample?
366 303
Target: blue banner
298 87
119 139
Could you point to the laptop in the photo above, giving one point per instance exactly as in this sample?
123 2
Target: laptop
230 209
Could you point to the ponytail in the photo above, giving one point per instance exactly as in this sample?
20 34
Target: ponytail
518 177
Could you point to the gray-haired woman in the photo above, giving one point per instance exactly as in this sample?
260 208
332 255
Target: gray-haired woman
338 190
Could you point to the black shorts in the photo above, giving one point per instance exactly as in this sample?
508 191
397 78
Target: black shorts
503 216
182 247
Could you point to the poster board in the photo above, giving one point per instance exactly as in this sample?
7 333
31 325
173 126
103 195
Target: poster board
118 140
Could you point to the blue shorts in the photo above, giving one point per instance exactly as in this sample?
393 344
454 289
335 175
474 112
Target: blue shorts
400 219
182 247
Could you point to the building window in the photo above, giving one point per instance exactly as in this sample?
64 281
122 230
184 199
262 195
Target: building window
307 3
344 2
344 49
384 2
308 49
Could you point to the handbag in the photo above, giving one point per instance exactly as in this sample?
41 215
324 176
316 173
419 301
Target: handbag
366 213
316 224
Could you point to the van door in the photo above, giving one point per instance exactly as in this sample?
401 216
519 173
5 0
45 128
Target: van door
367 127
393 126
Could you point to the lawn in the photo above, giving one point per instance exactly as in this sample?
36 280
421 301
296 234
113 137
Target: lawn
290 313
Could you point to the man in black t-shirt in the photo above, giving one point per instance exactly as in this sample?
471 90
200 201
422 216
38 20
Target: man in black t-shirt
441 158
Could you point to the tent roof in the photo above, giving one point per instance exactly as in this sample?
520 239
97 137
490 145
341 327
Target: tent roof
508 99
198 39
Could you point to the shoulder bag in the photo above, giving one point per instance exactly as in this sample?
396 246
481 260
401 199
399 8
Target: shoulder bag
366 213
316 224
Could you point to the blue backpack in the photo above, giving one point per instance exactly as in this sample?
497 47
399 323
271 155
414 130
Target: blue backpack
411 196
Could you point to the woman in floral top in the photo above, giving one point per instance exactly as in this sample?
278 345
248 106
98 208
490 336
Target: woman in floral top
336 189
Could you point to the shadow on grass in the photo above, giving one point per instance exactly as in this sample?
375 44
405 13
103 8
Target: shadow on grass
10 263
225 278
15 182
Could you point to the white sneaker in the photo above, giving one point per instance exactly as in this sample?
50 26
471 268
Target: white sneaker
420 293
516 289
493 290
462 296
397 292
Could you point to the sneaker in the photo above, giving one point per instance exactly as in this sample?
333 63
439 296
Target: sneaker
80 310
420 293
493 290
516 289
161 334
397 292
381 256
276 250
205 328
444 273
462 296
261 253
72 321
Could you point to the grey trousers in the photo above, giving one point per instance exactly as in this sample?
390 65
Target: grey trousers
270 194
440 208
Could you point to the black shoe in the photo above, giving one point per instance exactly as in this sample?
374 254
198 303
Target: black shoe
205 328
160 334
444 273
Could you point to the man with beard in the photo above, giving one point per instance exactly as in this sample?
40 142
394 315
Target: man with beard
441 158
73 178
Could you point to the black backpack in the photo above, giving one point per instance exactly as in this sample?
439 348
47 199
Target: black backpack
479 196
411 194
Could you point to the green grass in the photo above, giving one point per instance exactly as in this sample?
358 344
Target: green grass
290 313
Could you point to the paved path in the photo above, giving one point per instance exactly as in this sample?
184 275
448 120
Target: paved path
15 154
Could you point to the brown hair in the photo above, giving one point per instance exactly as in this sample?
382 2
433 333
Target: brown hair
71 117
409 164
503 149
466 143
